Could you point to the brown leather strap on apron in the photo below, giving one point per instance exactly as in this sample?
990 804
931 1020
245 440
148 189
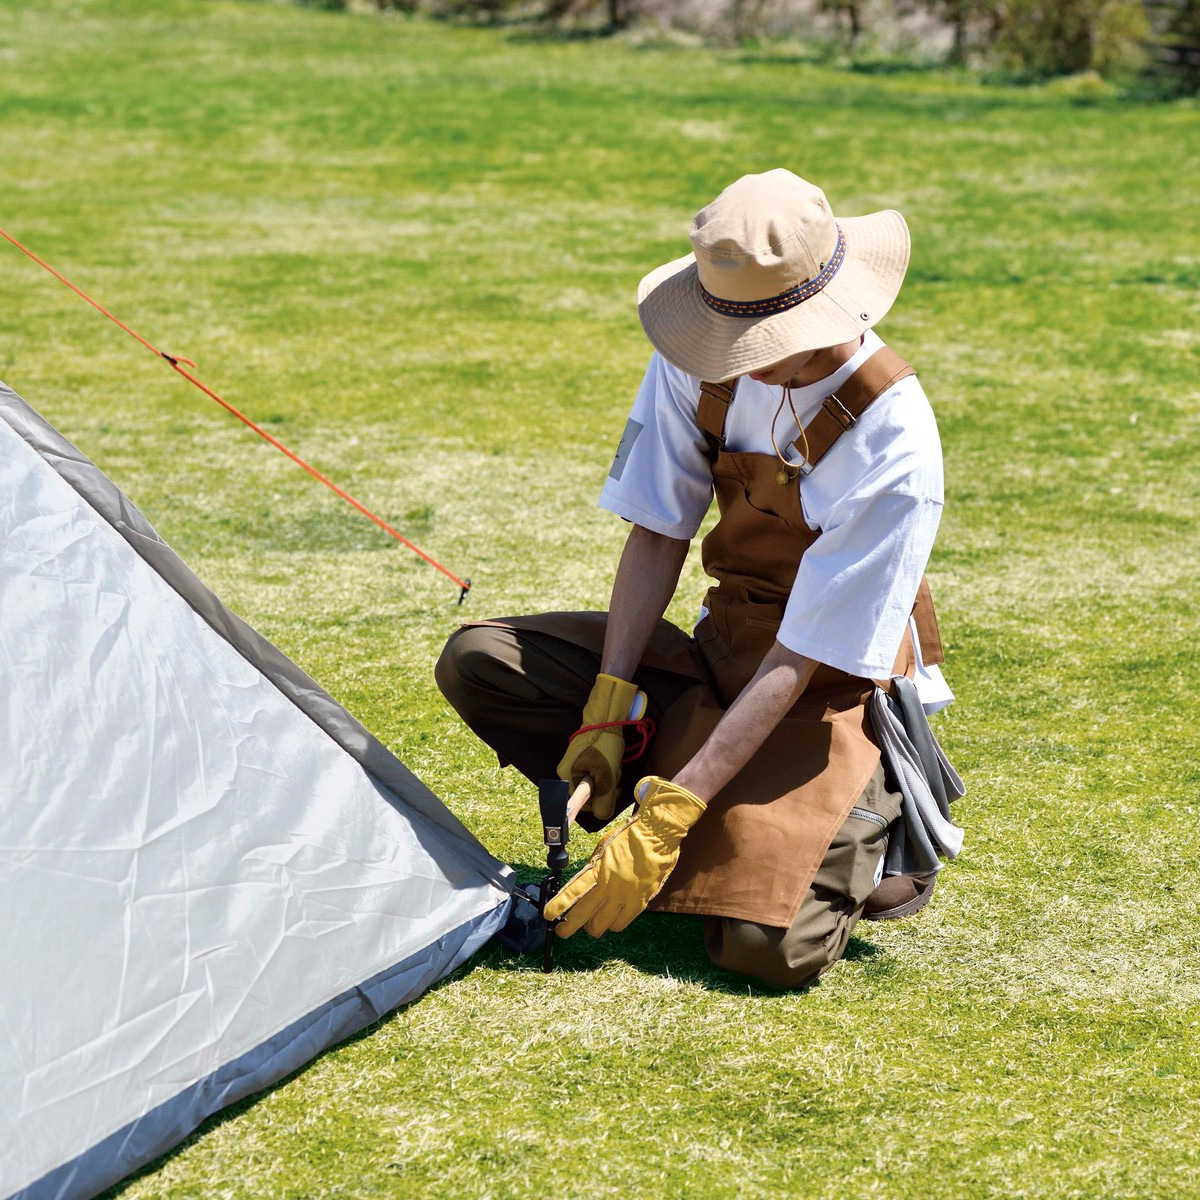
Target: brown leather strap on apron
713 411
841 410
928 633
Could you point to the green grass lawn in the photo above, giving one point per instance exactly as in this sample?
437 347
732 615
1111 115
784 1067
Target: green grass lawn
411 250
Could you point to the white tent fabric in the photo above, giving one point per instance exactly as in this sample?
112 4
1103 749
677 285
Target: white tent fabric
208 870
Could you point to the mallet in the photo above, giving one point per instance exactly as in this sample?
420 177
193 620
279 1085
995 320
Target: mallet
559 807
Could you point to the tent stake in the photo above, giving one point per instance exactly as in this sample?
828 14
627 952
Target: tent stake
559 806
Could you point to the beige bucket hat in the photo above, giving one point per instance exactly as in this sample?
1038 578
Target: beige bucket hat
772 273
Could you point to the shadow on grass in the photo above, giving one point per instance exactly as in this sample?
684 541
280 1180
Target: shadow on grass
834 60
677 952
527 28
899 67
533 34
666 944
671 946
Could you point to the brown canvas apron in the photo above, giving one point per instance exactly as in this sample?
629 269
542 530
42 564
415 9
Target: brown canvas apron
754 854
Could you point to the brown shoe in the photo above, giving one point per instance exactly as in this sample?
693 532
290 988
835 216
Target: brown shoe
898 896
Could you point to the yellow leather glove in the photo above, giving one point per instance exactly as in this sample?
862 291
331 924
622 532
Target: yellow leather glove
629 867
598 754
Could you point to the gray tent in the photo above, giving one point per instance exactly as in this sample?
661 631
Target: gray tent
209 871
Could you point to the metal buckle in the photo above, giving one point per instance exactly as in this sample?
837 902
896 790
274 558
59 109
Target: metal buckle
789 470
839 412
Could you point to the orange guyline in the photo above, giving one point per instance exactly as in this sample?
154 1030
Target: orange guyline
174 361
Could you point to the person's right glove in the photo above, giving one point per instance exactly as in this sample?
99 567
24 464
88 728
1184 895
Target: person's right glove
598 752
628 868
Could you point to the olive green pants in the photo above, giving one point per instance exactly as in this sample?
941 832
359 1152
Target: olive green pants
522 693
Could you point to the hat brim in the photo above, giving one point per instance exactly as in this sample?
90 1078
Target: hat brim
716 347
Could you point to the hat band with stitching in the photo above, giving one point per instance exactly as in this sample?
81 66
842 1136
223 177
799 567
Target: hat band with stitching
785 300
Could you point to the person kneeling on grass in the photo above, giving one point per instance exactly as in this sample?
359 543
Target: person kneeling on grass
765 806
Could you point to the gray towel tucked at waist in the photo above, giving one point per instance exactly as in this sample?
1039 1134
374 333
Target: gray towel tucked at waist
926 779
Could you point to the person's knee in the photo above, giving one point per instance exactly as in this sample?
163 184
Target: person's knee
466 664
768 954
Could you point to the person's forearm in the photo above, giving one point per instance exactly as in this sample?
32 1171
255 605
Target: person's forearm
776 686
646 580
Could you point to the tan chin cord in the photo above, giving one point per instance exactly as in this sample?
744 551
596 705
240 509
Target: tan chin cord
790 470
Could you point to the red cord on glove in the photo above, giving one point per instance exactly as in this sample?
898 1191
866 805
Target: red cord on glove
644 726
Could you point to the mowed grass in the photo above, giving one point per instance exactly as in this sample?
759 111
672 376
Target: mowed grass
410 250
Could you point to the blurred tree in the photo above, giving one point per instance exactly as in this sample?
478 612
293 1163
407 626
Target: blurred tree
619 12
745 19
849 16
1174 45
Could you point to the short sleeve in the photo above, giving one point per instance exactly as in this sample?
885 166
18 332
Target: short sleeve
857 582
660 477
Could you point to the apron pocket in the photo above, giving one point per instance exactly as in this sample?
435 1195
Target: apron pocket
762 611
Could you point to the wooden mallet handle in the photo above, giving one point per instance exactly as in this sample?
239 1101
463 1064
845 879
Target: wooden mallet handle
579 797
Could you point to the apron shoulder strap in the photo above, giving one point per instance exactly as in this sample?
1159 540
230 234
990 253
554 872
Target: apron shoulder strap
930 636
839 413
842 410
715 399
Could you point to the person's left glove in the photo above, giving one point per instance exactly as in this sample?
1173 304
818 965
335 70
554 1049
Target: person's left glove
628 868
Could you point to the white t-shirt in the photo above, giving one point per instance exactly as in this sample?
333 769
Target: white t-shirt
876 497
